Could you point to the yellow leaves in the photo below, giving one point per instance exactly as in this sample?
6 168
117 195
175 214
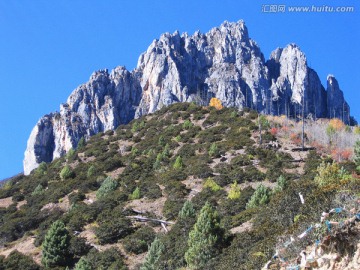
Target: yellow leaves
216 103
336 124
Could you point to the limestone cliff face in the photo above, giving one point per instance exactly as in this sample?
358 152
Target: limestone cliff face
294 84
103 103
223 63
337 106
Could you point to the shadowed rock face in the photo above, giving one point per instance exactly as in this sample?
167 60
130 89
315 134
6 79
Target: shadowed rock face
223 63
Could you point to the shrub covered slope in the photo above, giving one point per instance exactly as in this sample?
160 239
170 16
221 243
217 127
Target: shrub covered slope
183 180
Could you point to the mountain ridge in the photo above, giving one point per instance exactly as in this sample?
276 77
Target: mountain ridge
223 63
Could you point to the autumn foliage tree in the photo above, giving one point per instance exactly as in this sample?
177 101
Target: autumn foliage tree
336 124
216 103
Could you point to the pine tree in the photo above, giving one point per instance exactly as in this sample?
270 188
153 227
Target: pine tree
66 173
83 264
178 163
56 245
357 155
187 210
166 152
153 255
136 194
281 184
260 196
106 187
91 171
38 190
203 238
81 144
213 150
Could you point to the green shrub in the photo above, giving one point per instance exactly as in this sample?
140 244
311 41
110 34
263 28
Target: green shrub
281 184
66 173
91 171
211 184
139 241
234 192
178 163
79 246
135 195
81 144
187 124
172 206
41 170
329 174
261 196
106 187
214 151
71 154
17 260
109 259
357 155
38 190
112 230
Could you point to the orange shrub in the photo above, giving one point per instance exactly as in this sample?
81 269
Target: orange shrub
273 131
215 102
341 154
336 124
346 154
295 138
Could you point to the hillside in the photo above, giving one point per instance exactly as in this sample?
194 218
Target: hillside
159 176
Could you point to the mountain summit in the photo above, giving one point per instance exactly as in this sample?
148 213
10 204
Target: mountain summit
223 63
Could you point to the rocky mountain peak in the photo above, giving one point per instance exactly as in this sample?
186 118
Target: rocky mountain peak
224 63
337 105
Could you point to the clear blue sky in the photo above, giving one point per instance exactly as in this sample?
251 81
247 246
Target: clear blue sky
49 47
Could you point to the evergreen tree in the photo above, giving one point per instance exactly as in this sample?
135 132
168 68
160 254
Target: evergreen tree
81 144
178 163
281 184
260 196
91 171
153 255
187 210
83 264
213 150
56 245
38 190
66 173
136 194
41 170
166 152
203 238
107 186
